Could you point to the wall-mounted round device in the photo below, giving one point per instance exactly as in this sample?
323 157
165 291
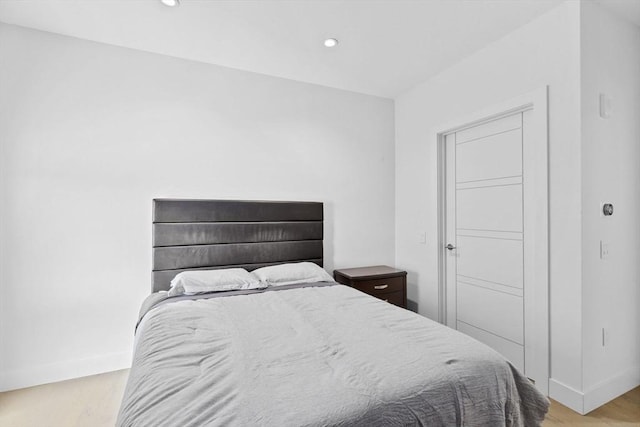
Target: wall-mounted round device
607 209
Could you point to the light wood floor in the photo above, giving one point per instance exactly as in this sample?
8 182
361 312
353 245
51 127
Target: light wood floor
94 401
621 412
84 402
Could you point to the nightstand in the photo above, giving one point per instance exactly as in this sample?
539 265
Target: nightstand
380 281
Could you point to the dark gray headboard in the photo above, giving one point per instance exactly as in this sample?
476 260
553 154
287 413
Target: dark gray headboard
214 234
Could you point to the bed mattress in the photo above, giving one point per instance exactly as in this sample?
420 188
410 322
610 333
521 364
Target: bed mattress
315 356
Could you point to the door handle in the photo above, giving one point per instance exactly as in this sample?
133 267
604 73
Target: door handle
450 247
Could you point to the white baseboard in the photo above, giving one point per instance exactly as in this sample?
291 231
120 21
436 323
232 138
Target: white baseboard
44 374
609 389
596 396
566 395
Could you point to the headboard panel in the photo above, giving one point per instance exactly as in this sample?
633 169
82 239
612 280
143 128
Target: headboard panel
214 234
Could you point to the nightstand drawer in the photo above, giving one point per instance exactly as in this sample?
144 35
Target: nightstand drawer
395 298
380 281
380 286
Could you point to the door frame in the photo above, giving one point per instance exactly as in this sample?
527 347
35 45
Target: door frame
536 224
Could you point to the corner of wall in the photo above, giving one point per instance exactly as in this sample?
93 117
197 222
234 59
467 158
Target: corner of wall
568 396
609 65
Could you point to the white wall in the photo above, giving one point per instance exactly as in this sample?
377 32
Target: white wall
544 52
610 53
90 133
580 50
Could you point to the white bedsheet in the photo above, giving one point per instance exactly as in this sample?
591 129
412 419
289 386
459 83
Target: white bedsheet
316 356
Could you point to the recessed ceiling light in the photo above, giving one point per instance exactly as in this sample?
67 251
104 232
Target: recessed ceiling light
170 3
331 42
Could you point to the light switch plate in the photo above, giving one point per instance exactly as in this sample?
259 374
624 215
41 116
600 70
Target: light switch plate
605 249
605 106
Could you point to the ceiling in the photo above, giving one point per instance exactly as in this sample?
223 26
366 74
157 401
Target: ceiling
386 46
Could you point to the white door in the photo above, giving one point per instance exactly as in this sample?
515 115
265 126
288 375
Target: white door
488 237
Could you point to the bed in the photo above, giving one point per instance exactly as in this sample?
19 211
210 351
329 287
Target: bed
316 353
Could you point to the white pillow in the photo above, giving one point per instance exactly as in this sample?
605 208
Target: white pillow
291 274
201 281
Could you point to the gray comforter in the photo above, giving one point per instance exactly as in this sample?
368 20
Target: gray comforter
316 356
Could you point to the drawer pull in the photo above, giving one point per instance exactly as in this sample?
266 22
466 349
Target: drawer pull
381 287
